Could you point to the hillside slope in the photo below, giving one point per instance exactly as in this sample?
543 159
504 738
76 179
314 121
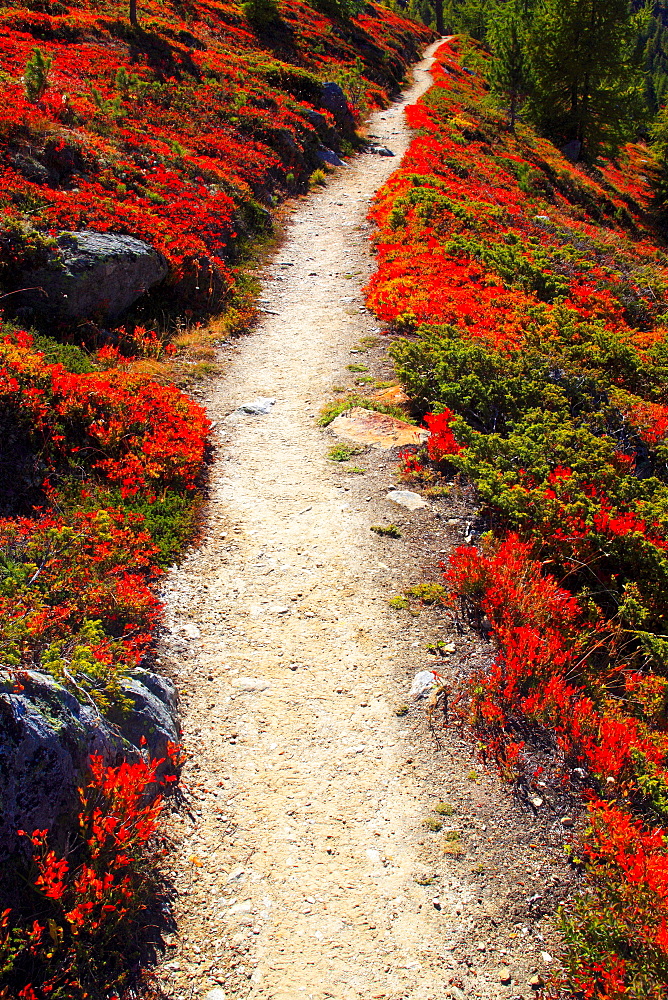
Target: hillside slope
182 131
533 299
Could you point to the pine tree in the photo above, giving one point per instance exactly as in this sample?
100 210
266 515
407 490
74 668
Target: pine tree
587 84
508 70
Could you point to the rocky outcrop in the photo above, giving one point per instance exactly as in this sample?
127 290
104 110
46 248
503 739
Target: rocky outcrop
47 736
326 132
334 100
92 275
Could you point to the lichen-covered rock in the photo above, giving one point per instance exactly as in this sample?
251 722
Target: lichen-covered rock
47 736
92 275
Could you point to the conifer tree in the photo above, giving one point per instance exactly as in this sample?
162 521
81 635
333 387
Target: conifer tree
587 84
472 17
508 71
36 75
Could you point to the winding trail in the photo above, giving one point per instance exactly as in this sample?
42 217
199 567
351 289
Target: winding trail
297 871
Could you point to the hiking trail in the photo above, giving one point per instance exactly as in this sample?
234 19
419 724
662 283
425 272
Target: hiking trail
298 870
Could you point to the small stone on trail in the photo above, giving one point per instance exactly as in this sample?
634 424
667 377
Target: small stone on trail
215 994
536 982
536 801
251 684
457 994
406 498
505 976
190 631
260 407
567 821
423 682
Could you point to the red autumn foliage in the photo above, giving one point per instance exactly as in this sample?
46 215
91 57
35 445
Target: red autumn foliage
125 427
441 441
77 937
174 132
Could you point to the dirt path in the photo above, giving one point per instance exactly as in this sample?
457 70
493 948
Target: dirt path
298 871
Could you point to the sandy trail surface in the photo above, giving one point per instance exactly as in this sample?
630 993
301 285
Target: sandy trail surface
299 867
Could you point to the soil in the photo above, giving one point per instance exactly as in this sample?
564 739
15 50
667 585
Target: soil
308 861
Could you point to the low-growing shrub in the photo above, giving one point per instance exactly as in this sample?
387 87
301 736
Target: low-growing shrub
332 410
398 602
317 178
342 452
386 530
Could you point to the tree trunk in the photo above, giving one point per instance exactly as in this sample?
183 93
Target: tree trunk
438 11
133 13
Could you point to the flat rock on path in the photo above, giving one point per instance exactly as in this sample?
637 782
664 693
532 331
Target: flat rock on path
297 869
361 426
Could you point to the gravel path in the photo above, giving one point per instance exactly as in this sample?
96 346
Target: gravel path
299 867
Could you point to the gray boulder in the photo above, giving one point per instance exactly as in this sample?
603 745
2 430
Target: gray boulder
334 100
155 713
380 150
30 168
329 157
47 736
325 132
283 141
93 275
